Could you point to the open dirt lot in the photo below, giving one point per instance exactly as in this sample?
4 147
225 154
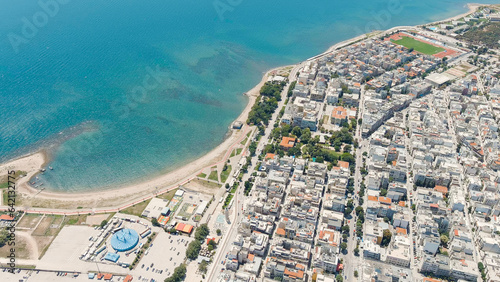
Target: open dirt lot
96 219
29 221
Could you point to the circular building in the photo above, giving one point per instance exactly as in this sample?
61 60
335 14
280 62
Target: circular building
124 240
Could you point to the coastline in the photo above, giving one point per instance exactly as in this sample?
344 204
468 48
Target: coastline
160 184
472 8
34 162
30 163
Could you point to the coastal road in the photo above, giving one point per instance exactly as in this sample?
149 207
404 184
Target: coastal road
237 208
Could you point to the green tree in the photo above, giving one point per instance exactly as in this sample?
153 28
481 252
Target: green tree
347 148
444 240
155 222
361 216
343 246
345 228
356 273
193 250
252 148
103 223
358 209
219 232
480 265
294 151
178 275
339 278
203 266
350 203
347 157
285 130
297 131
212 243
201 232
347 211
386 238
291 88
306 136
4 237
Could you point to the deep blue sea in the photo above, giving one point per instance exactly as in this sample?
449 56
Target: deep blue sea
121 90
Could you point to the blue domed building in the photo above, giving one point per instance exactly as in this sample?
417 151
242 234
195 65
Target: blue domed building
124 240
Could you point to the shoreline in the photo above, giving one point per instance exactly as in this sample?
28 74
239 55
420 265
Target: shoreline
473 7
158 184
130 193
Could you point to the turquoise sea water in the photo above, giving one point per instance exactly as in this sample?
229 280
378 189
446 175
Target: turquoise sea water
117 91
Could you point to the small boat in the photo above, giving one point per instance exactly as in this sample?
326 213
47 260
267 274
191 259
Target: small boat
51 168
42 169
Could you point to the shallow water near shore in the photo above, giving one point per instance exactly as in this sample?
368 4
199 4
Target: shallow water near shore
124 90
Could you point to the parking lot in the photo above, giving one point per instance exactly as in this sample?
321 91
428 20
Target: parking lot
168 252
36 276
64 252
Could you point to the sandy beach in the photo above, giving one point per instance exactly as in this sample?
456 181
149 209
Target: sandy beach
472 8
136 192
128 194
31 164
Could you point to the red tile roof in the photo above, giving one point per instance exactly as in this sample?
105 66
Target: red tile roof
343 164
384 200
6 217
287 142
441 189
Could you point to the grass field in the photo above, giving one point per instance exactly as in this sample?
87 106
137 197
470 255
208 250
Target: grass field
136 209
169 195
29 220
75 219
236 152
225 174
228 200
21 249
246 138
207 184
4 183
214 175
45 226
419 46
